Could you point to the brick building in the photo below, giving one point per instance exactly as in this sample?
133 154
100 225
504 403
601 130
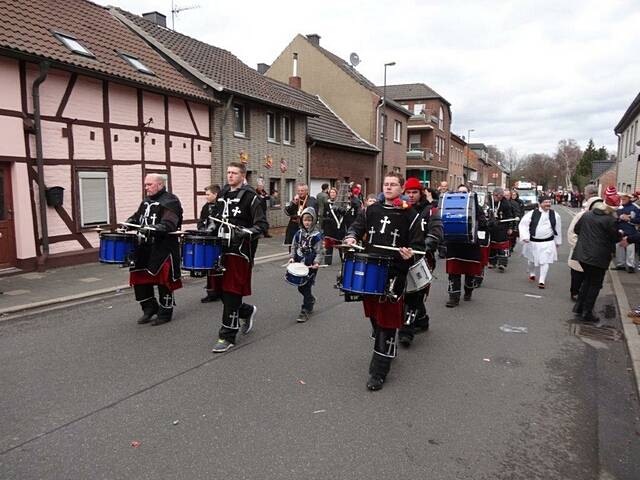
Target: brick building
628 173
429 131
107 110
457 160
355 99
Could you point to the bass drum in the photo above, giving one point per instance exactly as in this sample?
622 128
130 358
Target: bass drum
459 217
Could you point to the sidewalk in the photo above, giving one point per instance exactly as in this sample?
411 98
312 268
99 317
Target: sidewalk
32 290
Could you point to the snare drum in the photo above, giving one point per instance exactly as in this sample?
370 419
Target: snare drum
365 273
297 274
200 252
418 276
116 247
459 217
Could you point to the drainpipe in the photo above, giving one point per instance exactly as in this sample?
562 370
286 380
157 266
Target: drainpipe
42 259
378 127
224 120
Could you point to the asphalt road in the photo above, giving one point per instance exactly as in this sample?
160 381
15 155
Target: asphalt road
466 401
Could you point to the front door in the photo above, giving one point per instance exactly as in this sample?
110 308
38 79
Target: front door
7 239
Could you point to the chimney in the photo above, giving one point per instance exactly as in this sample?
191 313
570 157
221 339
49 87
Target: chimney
295 81
262 68
314 38
156 17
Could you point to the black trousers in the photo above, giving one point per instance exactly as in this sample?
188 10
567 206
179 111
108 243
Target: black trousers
415 313
145 295
307 296
233 310
384 350
590 288
576 281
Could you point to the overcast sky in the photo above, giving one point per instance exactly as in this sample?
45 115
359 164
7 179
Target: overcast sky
521 73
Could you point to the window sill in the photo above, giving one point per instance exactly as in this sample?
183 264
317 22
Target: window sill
240 135
273 140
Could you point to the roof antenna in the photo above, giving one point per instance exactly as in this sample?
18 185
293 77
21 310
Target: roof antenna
176 10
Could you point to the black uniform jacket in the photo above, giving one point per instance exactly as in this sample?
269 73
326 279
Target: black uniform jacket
163 212
242 208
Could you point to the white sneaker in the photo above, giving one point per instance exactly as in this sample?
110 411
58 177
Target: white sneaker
247 323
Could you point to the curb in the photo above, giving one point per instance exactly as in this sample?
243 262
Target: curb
631 336
97 293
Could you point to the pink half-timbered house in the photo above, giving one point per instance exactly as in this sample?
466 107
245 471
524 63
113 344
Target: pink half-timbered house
88 106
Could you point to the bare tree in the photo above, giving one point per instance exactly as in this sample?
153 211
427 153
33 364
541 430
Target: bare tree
568 155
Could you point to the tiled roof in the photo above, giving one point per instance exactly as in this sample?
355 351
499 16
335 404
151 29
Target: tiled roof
27 27
598 168
326 126
358 77
413 91
217 64
632 112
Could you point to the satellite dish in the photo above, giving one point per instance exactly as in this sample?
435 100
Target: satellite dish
354 59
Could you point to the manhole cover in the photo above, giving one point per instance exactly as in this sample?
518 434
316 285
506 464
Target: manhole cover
599 333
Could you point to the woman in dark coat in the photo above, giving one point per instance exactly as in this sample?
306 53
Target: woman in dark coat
597 238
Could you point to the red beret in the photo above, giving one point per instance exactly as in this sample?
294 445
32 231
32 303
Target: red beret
412 183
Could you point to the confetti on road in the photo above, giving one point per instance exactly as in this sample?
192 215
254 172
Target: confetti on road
176 422
302 382
319 411
486 359
135 444
511 329
532 296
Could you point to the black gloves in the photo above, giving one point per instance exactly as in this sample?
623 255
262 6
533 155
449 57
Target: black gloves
242 234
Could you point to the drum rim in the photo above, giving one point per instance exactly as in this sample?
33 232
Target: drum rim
211 239
298 265
120 235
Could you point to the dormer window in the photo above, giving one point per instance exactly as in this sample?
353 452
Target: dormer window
137 64
73 44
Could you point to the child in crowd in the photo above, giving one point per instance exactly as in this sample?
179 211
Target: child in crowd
306 248
371 199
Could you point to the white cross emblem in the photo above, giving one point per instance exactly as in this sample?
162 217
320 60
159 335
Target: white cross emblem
395 236
235 211
168 300
371 232
391 344
423 224
234 317
385 221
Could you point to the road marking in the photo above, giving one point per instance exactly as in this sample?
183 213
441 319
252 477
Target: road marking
90 279
532 296
13 293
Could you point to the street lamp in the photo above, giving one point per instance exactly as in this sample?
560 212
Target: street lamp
384 122
468 152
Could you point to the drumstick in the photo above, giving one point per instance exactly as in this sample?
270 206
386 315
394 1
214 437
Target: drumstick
511 219
231 225
346 245
130 225
396 249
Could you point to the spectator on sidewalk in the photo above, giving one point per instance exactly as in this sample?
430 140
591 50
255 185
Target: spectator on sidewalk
597 236
322 198
577 274
632 240
628 218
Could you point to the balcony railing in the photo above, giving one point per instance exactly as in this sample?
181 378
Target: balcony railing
420 154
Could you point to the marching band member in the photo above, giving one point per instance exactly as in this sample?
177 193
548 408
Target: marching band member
294 209
416 317
206 224
391 223
541 234
238 206
333 225
307 248
464 259
500 209
156 259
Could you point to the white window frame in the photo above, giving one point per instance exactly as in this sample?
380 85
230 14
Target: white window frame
271 124
74 45
137 64
87 174
289 189
418 108
441 119
238 107
412 145
286 130
397 131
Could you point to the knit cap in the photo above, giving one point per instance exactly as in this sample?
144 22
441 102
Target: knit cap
611 197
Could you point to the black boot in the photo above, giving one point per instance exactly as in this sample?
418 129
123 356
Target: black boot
378 370
211 297
149 309
422 324
454 300
165 310
467 294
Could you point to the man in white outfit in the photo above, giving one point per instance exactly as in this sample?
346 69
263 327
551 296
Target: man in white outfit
541 234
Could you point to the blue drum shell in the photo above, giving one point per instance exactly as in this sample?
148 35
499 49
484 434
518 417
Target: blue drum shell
200 252
115 247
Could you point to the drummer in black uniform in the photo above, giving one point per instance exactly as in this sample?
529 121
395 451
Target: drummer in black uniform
392 223
501 220
156 259
416 317
333 225
464 258
238 206
206 224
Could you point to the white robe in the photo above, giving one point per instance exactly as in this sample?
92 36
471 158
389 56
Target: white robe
540 252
